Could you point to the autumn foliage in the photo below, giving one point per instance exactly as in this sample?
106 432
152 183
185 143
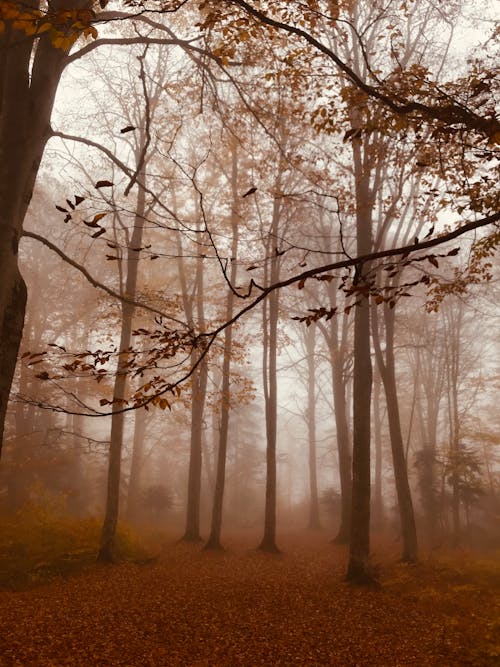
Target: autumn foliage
63 26
289 212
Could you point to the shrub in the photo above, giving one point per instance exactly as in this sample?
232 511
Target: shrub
40 541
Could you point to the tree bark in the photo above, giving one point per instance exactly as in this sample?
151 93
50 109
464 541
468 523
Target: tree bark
337 362
28 83
378 501
106 552
310 338
136 464
270 325
19 478
453 326
359 570
431 370
387 370
199 390
77 493
192 530
216 523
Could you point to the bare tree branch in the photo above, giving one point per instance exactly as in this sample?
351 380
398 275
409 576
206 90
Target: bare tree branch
187 45
95 283
450 113
211 336
147 130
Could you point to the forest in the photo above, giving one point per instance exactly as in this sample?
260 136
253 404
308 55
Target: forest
249 330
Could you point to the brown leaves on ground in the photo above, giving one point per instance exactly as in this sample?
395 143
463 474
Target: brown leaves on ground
243 607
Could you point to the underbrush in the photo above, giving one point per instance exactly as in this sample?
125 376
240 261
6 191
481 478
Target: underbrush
40 542
465 588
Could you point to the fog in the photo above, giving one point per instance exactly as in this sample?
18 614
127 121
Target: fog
262 294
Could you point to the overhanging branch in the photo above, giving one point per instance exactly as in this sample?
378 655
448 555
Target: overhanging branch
450 113
95 283
211 336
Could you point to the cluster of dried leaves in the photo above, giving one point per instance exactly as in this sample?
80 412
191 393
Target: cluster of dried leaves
243 607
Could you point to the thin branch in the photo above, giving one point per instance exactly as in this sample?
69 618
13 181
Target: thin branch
95 283
450 113
147 129
210 337
187 45
127 171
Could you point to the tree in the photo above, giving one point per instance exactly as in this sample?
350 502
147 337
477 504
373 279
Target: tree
359 569
319 74
445 114
156 499
446 110
30 69
387 369
129 268
35 45
336 336
269 368
136 465
424 336
194 308
213 541
310 341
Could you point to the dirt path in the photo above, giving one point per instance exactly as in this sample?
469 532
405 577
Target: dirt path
242 607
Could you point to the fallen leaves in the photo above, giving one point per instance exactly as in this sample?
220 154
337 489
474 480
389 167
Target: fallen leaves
243 607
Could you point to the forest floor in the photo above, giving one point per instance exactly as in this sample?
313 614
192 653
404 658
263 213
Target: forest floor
244 607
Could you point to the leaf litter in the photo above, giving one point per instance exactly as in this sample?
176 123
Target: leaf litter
243 607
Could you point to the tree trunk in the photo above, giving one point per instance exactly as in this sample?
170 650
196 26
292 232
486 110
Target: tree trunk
28 84
216 523
107 546
270 325
337 362
106 550
310 338
344 453
13 298
359 569
192 530
432 372
77 494
136 464
387 372
200 377
453 324
378 501
209 452
269 539
213 541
